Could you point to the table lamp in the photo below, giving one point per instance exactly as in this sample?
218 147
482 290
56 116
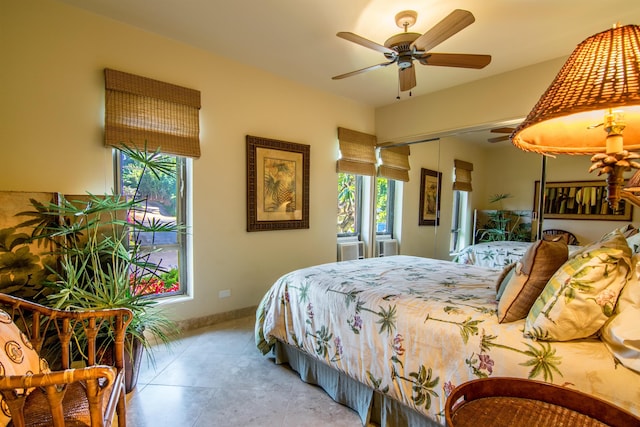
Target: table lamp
597 88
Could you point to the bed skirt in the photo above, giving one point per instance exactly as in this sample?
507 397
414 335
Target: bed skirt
373 407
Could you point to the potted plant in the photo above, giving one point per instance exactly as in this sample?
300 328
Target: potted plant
102 263
503 225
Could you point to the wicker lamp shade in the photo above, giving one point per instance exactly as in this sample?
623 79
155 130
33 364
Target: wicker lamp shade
602 73
594 97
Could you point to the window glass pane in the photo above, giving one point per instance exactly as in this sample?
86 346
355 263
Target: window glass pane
384 205
348 205
162 203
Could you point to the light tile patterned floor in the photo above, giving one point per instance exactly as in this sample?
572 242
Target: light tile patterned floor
216 376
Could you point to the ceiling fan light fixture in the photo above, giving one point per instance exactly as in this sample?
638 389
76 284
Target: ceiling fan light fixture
406 19
405 61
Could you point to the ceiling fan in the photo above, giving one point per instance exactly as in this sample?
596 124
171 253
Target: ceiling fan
404 48
506 130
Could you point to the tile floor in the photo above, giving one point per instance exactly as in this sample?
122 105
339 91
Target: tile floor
216 376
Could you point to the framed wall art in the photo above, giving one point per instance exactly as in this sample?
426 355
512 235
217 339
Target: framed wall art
579 200
277 184
430 184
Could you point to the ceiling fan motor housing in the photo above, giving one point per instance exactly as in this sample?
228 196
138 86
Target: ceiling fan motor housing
401 43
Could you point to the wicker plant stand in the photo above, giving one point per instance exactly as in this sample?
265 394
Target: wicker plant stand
517 402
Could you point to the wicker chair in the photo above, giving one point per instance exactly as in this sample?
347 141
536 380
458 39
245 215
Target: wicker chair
88 395
518 402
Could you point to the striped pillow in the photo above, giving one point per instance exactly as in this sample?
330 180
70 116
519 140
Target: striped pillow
532 272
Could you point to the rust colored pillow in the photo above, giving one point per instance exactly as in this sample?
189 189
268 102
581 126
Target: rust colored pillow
532 272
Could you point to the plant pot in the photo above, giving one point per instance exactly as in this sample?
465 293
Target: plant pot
132 362
133 349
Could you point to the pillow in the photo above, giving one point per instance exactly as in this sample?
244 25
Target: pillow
17 357
634 243
628 230
503 279
582 294
621 334
532 272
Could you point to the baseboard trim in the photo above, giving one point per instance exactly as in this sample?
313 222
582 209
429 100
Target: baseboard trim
212 319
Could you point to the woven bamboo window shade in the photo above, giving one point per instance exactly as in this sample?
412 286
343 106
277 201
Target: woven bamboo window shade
462 180
140 110
357 152
395 163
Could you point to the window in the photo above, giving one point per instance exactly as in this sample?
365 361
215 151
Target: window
155 116
349 204
457 220
384 206
164 201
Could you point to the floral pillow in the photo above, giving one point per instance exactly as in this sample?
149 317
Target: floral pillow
582 294
17 357
621 333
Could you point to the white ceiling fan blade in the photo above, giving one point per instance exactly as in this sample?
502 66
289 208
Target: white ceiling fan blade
407 78
365 42
450 25
362 70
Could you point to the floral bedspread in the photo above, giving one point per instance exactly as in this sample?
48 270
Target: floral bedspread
414 328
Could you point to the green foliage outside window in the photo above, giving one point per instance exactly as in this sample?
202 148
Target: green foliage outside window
382 204
159 189
347 204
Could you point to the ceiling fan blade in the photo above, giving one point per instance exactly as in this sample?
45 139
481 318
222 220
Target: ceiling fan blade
450 25
498 139
407 78
365 42
462 60
502 130
362 70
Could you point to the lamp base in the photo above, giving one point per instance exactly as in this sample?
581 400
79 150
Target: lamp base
614 165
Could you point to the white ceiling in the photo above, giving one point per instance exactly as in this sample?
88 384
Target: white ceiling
296 38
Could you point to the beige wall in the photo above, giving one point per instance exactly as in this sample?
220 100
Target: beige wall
51 138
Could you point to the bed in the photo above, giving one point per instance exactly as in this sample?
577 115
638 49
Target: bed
392 336
495 254
492 254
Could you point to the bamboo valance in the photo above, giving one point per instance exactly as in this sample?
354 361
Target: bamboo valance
357 152
395 163
463 171
140 110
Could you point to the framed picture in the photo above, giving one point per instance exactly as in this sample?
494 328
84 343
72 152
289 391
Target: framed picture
277 184
430 183
579 200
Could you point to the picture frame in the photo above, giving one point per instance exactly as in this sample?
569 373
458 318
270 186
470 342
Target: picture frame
430 187
277 184
579 200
